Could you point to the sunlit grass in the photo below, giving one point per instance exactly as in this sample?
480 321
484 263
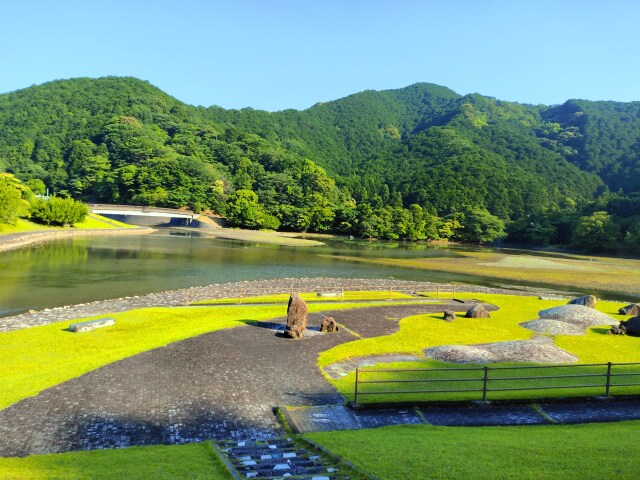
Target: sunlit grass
192 461
93 221
420 332
423 331
525 452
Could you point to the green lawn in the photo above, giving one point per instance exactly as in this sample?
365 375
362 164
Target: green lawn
192 461
423 331
92 221
33 359
591 451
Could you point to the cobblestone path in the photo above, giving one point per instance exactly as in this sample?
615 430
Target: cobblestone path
222 385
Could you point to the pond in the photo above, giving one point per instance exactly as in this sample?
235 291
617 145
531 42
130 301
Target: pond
84 269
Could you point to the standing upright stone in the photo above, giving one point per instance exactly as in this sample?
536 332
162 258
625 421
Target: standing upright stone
587 301
296 317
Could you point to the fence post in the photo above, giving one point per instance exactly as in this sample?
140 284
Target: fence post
484 384
608 385
453 295
355 398
186 296
438 292
342 293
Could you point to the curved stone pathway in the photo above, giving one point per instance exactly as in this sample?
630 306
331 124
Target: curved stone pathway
222 385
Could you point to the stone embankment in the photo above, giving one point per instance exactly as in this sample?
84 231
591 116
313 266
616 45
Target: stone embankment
230 290
12 241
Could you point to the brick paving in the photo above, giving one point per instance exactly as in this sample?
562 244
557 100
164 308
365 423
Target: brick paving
222 385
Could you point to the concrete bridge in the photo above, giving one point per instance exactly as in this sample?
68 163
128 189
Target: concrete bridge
143 215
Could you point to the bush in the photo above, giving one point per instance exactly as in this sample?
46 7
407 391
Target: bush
59 211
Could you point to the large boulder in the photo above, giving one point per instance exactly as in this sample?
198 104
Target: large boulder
587 301
632 327
296 317
477 311
631 309
329 325
449 316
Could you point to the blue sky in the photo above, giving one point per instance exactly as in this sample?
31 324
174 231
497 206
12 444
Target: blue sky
291 54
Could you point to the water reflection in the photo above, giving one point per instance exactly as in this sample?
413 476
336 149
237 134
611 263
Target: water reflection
79 270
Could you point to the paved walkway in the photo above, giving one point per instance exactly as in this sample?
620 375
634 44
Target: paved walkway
222 385
338 417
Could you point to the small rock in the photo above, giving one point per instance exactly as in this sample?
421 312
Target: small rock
586 300
477 311
619 329
449 316
329 325
631 309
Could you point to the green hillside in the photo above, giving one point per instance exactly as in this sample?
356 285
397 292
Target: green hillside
417 162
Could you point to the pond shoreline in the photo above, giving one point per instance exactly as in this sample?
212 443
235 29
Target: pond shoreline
12 241
247 288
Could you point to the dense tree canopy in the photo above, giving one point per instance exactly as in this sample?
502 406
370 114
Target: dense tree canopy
416 163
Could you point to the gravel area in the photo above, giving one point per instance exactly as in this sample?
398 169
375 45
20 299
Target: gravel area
230 290
578 315
538 349
553 327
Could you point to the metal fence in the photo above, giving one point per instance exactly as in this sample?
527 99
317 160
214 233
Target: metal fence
477 383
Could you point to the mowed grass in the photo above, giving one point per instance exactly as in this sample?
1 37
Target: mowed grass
93 221
587 273
311 297
33 359
590 451
192 461
423 331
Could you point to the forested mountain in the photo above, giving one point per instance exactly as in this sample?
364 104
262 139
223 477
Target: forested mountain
417 162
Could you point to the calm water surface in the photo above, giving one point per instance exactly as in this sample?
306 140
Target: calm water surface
80 270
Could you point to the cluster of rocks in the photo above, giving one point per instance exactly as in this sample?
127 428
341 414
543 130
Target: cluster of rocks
574 318
631 326
478 310
297 315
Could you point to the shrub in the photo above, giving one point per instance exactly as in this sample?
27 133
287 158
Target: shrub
59 211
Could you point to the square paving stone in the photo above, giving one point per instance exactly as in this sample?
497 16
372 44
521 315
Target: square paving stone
596 411
482 415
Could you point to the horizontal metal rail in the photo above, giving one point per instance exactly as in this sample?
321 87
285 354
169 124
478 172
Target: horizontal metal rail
487 380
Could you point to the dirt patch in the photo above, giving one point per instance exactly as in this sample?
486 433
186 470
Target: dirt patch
258 236
524 261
